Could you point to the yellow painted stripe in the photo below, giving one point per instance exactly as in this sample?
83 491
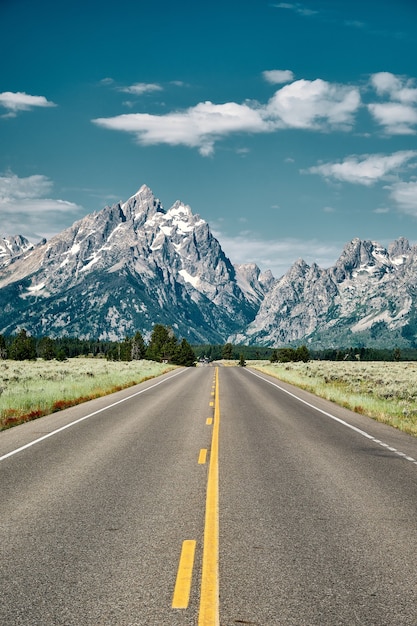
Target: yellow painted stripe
209 421
184 575
211 403
202 456
209 599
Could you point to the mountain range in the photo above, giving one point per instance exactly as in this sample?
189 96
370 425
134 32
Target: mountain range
134 264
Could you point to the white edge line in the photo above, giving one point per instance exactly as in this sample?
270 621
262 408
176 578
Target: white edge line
81 419
336 419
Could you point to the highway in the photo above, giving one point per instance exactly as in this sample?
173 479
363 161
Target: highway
211 497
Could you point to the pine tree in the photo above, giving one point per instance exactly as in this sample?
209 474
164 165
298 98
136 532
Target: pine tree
138 347
227 351
162 344
3 349
23 347
126 349
302 354
46 348
184 354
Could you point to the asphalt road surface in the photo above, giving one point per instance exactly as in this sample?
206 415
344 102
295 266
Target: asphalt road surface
209 496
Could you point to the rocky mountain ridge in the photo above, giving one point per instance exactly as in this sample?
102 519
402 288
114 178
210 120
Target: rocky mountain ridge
367 298
135 264
125 268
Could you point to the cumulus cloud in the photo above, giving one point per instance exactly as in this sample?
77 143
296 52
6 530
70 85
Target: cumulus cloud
20 101
27 210
313 105
276 77
405 196
365 170
396 87
398 116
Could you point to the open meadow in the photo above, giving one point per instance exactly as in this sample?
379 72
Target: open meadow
383 390
30 389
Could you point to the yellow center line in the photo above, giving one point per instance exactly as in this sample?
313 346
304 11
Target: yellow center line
209 599
209 421
184 575
202 457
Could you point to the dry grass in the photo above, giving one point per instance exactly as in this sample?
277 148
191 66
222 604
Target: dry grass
385 391
30 389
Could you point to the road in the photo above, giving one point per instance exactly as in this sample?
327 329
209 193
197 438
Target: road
208 496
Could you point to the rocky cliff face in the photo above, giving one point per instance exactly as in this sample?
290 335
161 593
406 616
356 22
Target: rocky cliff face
11 247
368 297
125 268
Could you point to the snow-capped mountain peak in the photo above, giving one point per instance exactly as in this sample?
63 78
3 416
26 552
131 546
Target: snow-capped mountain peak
368 298
12 247
127 267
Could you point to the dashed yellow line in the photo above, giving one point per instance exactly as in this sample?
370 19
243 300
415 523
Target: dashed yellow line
182 589
202 457
209 421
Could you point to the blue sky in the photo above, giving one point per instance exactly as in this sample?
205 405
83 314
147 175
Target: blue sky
289 126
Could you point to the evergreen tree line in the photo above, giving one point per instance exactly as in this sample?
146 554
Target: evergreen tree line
286 355
163 346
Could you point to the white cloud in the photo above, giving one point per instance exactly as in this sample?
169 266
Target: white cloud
276 77
196 127
140 88
395 117
277 255
13 188
21 101
313 105
366 170
399 115
27 211
396 87
405 195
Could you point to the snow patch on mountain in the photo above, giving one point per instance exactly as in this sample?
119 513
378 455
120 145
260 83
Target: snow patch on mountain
193 280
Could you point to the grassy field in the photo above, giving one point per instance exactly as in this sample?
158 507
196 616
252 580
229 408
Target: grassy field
30 389
385 391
